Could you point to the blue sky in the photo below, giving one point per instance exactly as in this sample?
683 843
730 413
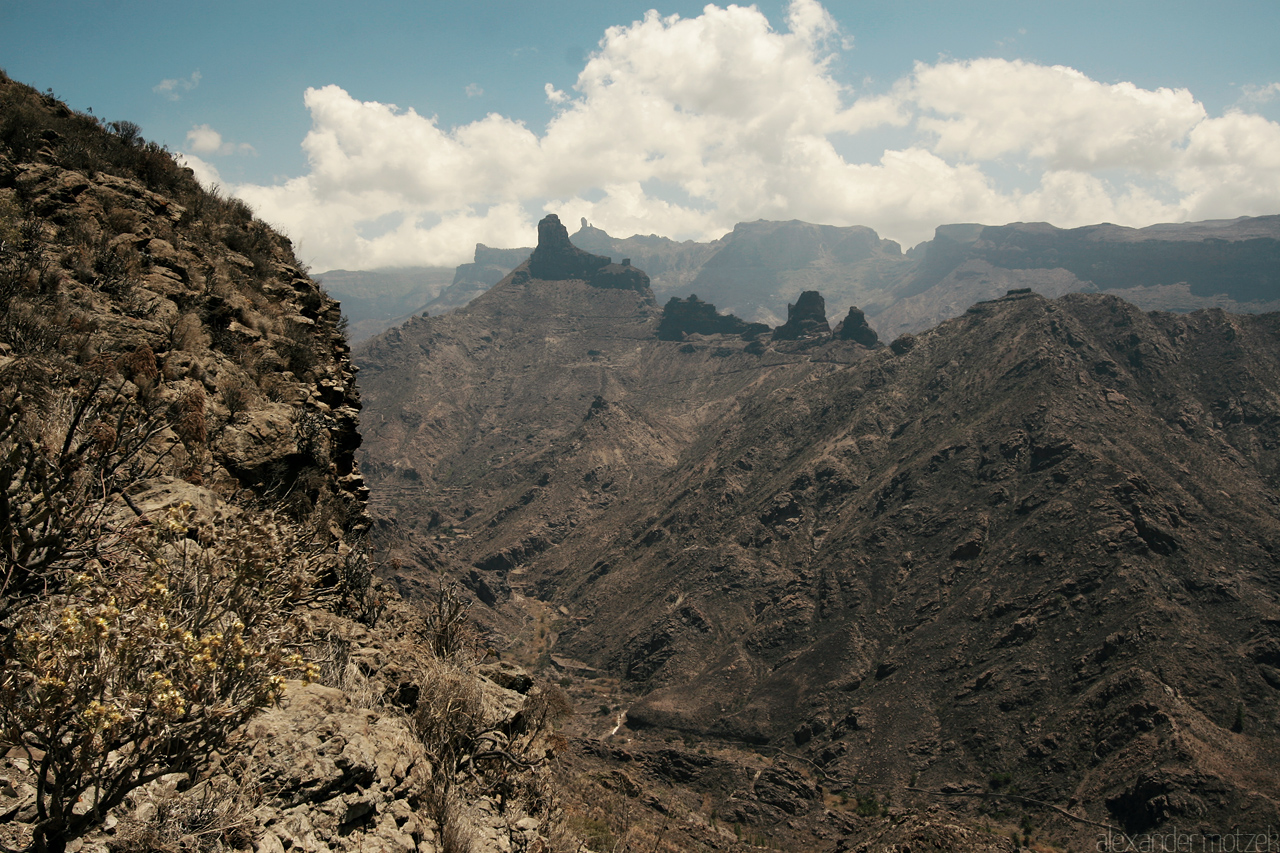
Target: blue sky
392 133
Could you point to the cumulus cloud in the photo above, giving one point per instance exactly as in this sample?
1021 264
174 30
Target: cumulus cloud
173 89
203 139
685 126
989 108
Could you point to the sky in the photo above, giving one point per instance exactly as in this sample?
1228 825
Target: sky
402 133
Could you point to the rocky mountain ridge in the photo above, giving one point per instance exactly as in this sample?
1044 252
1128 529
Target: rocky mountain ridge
1028 551
758 268
193 654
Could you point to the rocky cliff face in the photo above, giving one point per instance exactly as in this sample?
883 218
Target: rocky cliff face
1026 552
125 259
170 370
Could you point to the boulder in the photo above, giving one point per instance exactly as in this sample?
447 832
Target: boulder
259 438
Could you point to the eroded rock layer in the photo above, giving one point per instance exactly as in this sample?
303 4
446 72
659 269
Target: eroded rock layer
1032 547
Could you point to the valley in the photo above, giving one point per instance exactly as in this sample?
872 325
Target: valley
1027 552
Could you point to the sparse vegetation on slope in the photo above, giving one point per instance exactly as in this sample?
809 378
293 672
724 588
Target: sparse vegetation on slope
1018 567
193 655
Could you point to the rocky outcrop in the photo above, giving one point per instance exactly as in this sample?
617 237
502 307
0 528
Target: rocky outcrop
807 318
557 259
342 777
692 316
854 327
621 276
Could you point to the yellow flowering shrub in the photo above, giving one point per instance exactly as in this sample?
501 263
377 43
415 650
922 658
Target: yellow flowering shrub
169 638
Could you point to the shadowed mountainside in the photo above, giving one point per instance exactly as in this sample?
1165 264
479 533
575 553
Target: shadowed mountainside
1033 546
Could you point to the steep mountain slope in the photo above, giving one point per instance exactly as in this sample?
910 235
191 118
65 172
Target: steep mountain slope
192 653
1057 516
1032 547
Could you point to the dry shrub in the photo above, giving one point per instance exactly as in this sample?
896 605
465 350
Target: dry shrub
448 720
477 750
236 394
188 334
214 815
61 457
450 633
141 368
187 417
158 649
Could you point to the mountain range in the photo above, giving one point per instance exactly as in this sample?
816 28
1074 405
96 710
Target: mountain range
983 559
759 267
1026 555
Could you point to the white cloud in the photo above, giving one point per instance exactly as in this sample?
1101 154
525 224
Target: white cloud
474 90
810 21
988 108
685 126
203 139
1230 167
1251 94
174 88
